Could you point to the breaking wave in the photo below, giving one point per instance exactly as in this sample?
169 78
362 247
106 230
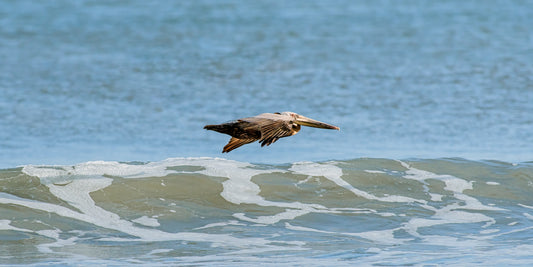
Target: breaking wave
200 210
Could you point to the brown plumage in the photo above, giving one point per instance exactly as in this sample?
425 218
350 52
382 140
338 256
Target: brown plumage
266 127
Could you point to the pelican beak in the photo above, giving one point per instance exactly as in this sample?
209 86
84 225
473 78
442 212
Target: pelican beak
313 123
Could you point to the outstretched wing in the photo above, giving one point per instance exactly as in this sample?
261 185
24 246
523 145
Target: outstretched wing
235 143
266 127
272 129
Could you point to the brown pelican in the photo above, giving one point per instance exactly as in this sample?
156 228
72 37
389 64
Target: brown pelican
266 127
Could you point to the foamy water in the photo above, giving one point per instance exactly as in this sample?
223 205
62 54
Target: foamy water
205 210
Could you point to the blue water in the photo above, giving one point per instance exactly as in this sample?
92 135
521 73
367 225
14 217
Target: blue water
136 81
123 80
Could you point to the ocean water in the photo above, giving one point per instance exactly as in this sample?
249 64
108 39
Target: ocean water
103 159
202 211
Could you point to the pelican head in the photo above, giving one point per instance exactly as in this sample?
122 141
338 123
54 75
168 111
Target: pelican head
302 120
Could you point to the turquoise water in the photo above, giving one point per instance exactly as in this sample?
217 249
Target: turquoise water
431 166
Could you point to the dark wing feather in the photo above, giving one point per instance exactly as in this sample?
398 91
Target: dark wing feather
235 143
241 129
248 130
274 130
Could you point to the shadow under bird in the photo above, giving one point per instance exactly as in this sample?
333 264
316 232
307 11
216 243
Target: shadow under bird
266 127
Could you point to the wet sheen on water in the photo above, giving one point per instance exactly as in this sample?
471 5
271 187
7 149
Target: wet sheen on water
198 210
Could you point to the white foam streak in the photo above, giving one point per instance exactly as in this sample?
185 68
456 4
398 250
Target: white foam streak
382 236
385 237
527 215
144 220
449 214
474 204
6 225
100 168
375 171
54 234
32 204
334 174
76 193
525 206
435 197
220 224
112 221
286 215
452 183
445 216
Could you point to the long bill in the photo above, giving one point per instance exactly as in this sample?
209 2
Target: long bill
314 123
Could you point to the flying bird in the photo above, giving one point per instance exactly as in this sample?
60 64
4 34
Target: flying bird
266 127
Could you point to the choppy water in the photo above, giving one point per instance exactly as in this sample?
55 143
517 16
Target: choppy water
137 80
206 210
87 84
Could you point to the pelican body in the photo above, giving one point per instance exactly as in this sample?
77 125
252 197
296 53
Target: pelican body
266 127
